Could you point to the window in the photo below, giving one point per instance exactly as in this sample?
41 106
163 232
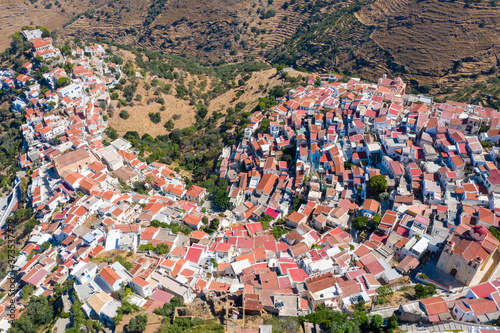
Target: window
441 266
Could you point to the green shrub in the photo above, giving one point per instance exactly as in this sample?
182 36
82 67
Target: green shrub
155 117
124 114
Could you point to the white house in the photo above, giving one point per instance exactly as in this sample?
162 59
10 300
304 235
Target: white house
84 271
72 91
141 287
102 305
110 279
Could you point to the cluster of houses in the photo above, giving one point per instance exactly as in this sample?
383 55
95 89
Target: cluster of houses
324 144
307 174
480 305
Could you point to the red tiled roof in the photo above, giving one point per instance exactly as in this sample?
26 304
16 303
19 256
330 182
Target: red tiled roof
109 275
434 305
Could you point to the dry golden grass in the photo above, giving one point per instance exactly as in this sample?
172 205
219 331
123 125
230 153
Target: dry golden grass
115 253
139 116
89 221
154 322
251 91
400 297
14 14
139 113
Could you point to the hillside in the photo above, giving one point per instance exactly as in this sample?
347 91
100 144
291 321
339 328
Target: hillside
206 30
178 112
438 46
436 40
138 112
53 15
430 36
182 109
420 40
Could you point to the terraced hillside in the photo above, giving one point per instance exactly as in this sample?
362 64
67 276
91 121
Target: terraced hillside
117 20
334 41
229 31
436 38
442 45
438 45
207 30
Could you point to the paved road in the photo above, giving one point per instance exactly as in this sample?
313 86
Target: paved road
444 327
61 325
66 303
12 201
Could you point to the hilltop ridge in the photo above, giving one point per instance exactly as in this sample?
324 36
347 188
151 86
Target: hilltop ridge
438 46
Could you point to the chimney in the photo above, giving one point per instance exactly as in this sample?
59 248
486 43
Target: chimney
476 262
450 246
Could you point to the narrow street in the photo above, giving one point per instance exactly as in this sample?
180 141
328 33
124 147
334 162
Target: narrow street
13 198
445 327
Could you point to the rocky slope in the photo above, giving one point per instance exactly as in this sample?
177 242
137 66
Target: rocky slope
436 39
436 43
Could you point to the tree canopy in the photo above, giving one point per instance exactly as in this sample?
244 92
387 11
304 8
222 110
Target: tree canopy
222 194
377 185
39 312
111 133
62 82
137 323
360 223
124 114
376 322
339 322
213 226
426 291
